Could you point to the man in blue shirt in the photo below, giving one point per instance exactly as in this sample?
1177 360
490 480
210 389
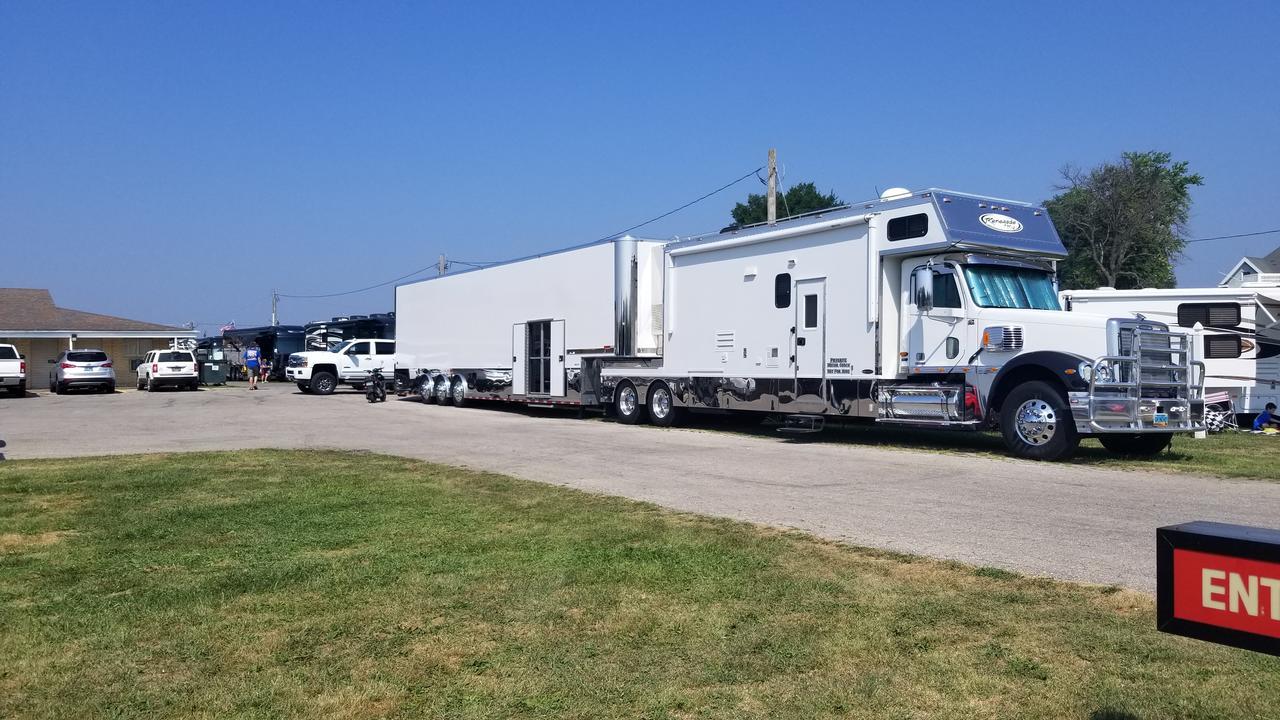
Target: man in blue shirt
251 356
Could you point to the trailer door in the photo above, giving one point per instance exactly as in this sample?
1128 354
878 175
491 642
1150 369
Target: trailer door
519 343
811 335
557 358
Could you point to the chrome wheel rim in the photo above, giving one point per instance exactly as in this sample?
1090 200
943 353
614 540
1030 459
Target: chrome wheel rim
627 400
324 385
1036 422
459 391
661 402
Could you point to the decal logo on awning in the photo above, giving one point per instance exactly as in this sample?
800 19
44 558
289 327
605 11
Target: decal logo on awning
1001 223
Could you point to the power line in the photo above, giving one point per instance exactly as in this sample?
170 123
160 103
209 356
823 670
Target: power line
637 226
1228 237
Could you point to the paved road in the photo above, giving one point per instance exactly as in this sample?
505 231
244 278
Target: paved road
1070 522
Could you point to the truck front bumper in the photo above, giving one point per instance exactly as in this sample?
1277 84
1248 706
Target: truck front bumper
1118 413
298 374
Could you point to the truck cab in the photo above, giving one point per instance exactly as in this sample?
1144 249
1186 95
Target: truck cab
320 372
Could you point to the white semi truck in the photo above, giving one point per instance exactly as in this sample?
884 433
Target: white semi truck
922 309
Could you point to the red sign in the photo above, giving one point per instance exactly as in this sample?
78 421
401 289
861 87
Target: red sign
1220 583
1227 591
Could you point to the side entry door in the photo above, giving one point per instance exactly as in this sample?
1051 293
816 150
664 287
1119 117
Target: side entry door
811 332
557 358
936 337
519 344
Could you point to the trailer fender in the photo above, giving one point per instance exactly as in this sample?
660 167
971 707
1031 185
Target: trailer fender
1056 368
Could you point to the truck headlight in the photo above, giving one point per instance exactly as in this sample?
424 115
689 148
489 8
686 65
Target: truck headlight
1086 371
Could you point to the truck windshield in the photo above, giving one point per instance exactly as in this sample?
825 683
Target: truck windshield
998 286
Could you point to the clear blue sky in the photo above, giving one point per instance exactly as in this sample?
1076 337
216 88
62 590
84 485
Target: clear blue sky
233 148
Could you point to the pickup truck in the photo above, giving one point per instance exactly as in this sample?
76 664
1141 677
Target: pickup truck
13 371
321 371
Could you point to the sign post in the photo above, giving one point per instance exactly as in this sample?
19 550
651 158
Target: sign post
1219 583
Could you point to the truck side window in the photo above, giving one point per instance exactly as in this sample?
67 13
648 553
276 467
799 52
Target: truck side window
386 347
945 292
360 348
908 227
782 290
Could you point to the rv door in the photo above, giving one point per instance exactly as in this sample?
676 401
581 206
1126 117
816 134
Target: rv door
518 348
811 315
557 358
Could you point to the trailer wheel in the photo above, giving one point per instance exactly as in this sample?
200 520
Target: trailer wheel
627 404
323 383
1036 423
427 391
662 406
458 392
1136 445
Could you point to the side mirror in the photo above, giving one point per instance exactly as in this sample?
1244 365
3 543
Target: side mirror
922 278
21 356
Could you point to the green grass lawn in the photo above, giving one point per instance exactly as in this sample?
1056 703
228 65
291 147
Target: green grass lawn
1235 454
316 584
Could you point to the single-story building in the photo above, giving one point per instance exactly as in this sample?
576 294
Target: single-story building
42 330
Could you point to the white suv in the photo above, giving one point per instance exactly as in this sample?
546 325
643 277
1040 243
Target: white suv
176 368
321 371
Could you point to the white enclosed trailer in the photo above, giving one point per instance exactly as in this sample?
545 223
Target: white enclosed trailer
1241 338
931 309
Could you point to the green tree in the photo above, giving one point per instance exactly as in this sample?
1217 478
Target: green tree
1124 223
797 200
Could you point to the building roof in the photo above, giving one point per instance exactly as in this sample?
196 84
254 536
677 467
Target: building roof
1268 264
32 309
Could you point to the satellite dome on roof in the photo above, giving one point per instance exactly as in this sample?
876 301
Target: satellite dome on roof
896 193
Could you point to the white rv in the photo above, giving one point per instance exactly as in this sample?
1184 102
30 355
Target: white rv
927 309
1241 339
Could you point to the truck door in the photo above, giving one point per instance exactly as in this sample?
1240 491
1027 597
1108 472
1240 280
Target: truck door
519 341
811 335
557 358
936 335
356 361
386 357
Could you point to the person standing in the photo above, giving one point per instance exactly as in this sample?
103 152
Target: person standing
251 356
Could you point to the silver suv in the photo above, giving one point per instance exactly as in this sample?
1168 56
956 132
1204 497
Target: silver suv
82 368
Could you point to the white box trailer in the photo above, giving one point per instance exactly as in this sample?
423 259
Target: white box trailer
1241 338
929 309
518 331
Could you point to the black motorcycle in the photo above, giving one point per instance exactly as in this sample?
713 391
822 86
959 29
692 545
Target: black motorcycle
375 388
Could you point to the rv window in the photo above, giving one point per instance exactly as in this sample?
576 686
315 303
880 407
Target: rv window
1216 315
1218 347
782 290
810 311
910 226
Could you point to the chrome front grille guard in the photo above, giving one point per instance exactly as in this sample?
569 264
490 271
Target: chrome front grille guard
1155 388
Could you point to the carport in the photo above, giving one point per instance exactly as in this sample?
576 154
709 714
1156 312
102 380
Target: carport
40 329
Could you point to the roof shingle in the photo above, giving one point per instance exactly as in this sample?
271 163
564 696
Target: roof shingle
28 309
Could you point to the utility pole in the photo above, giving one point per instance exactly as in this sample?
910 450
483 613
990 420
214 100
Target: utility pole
441 265
773 186
275 301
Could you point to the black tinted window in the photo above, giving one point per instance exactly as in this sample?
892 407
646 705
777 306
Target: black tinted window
386 348
8 353
1219 315
87 356
782 290
946 294
360 348
1222 346
175 357
811 311
910 226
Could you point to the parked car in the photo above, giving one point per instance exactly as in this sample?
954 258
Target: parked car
176 368
82 368
321 371
13 371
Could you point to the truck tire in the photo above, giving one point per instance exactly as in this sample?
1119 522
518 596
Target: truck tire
151 385
1136 445
1037 424
458 392
19 390
662 405
427 391
323 383
627 405
304 387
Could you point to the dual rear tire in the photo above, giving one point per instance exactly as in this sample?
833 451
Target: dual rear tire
660 407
